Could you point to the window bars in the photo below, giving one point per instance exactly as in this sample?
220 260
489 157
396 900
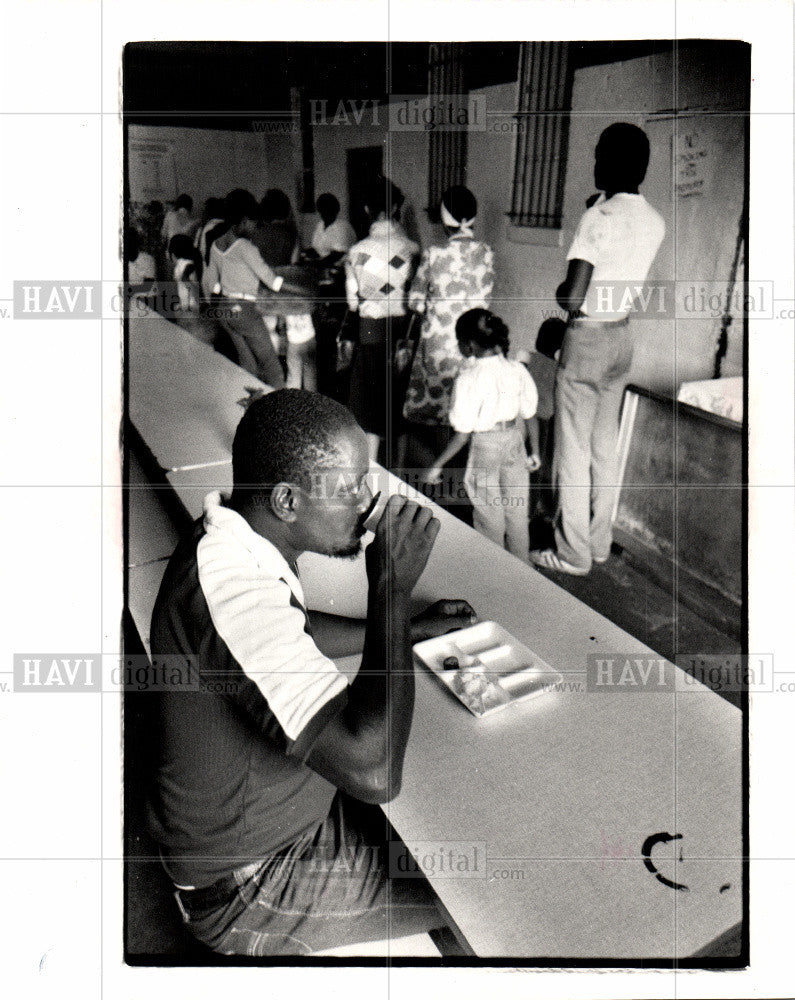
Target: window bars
542 135
447 147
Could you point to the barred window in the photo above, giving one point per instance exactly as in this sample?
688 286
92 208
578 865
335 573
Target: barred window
542 138
447 148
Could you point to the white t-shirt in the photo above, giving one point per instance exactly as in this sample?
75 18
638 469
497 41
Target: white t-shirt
620 237
339 237
489 391
141 269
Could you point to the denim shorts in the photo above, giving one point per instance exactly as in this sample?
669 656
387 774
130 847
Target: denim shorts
330 888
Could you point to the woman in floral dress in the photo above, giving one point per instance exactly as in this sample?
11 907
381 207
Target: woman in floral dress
450 280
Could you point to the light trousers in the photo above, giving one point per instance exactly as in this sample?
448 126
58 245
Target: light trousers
497 482
299 350
594 365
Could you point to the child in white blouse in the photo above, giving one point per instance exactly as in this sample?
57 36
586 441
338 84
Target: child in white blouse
493 408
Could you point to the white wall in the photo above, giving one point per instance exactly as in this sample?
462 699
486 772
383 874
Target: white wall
405 162
527 272
211 162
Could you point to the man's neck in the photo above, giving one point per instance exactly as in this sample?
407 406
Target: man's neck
610 194
269 528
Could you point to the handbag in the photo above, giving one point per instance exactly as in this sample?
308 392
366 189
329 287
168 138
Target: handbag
404 348
345 344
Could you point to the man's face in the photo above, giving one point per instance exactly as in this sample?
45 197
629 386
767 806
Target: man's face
601 169
331 512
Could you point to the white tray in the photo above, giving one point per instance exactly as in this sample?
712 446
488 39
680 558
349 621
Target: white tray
516 672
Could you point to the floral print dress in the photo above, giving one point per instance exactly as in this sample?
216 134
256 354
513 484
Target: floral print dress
450 280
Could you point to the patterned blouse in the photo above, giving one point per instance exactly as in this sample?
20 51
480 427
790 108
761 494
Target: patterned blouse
377 270
450 280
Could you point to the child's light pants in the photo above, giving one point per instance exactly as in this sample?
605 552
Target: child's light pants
497 482
299 351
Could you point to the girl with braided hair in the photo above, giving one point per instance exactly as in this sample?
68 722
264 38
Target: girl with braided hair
493 408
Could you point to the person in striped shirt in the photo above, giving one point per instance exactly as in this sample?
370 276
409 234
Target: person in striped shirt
269 760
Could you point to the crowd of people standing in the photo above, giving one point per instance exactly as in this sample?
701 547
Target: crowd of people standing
407 341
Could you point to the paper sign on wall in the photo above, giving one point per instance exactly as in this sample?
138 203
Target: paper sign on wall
152 171
690 163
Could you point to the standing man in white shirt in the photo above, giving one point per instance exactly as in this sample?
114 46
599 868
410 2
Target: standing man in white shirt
614 247
236 270
333 236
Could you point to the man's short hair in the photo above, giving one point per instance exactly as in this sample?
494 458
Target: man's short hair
238 205
286 436
181 246
275 205
327 206
184 201
213 208
383 196
624 151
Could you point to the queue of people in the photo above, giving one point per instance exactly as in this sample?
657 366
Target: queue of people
406 340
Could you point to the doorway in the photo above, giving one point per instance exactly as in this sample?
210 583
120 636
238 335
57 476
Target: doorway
363 167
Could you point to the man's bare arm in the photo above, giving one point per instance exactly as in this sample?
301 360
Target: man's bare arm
571 293
361 750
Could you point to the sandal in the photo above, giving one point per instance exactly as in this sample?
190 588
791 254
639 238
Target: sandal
548 559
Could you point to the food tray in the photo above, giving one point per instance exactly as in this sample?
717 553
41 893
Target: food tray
513 673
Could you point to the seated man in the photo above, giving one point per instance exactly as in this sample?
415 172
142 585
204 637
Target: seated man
265 767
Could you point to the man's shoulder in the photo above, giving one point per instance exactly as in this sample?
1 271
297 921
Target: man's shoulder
638 208
178 586
597 211
204 565
655 218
